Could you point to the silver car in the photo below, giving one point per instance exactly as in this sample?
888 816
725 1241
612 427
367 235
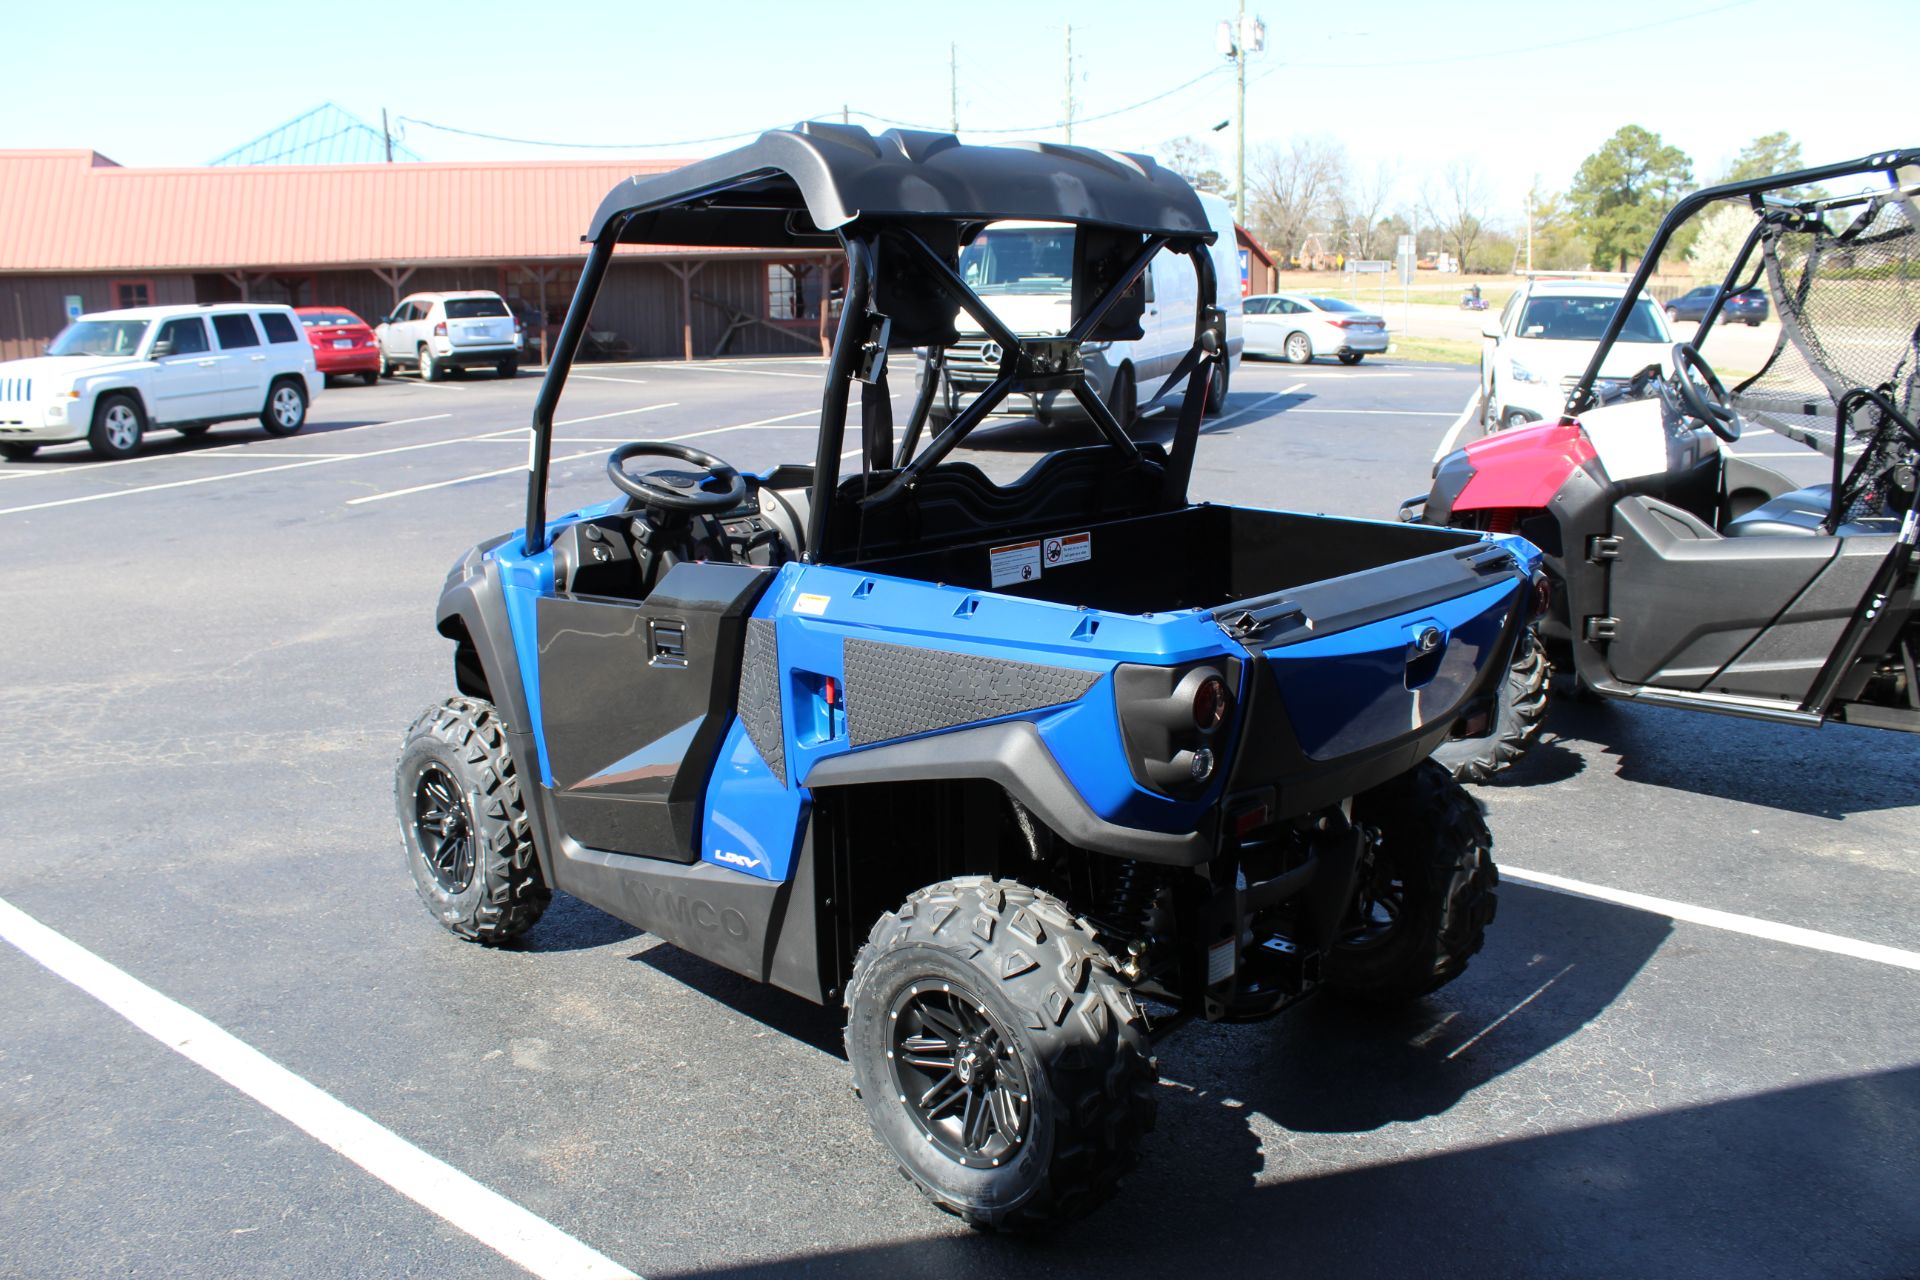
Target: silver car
1296 327
439 332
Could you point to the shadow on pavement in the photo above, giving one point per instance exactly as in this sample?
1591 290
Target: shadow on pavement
1814 1180
1826 773
571 925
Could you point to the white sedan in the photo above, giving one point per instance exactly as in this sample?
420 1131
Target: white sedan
1296 327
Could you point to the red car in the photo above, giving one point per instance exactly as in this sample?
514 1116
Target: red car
342 342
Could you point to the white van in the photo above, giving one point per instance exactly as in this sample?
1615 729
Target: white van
1023 271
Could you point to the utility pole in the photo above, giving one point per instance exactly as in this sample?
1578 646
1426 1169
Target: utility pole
387 134
843 114
1069 84
1530 194
1238 37
953 87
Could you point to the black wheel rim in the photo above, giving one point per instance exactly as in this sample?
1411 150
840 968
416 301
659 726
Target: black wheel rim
443 828
1383 901
958 1075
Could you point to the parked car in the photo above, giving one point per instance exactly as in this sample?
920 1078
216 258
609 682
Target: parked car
1296 327
1537 349
440 332
1023 272
1019 771
111 377
1749 306
342 342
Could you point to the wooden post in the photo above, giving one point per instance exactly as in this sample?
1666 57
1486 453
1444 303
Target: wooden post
393 278
826 304
686 275
540 278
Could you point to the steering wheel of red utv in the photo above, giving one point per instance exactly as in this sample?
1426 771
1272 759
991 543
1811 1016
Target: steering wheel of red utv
1701 389
677 490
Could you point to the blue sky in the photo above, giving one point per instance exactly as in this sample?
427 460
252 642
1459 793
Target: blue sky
1414 84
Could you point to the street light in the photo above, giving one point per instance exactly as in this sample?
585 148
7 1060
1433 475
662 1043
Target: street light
1238 38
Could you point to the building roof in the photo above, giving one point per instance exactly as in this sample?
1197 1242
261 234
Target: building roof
325 135
69 211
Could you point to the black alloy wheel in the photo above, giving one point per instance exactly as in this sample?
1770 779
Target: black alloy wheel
444 827
958 1074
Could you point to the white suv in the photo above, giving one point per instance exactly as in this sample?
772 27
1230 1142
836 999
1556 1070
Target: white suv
1546 334
438 332
113 376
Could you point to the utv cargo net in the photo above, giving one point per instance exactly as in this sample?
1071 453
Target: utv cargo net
1845 279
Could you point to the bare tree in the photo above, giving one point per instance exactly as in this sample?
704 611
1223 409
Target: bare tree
1291 190
1195 161
1458 207
1362 210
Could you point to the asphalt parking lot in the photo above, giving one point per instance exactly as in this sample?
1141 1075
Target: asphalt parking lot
216 645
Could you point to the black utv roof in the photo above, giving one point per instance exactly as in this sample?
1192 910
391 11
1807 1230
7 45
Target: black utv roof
797 187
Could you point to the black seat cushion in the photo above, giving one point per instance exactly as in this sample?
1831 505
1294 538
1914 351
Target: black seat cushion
1802 512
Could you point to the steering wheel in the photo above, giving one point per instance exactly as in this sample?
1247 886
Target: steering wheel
675 490
1701 389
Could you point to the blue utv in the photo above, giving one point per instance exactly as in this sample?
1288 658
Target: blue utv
1023 774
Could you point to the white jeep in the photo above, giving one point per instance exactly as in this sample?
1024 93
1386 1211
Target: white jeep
113 376
439 333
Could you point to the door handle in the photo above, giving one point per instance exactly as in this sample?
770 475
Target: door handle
262 358
205 364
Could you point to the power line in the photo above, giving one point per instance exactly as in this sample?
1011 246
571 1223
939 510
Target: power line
586 146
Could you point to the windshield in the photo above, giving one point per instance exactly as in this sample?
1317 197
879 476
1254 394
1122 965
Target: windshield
99 338
1023 260
1585 320
1333 304
474 308
330 318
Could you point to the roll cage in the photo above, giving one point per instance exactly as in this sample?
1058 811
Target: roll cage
1756 191
900 206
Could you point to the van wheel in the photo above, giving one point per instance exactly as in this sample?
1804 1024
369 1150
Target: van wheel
1124 398
1217 389
464 824
18 452
431 370
1424 909
1298 349
118 425
286 410
1000 1058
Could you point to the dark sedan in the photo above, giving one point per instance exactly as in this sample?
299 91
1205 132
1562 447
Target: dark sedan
1748 306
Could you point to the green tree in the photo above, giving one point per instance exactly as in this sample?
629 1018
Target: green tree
1623 189
1766 155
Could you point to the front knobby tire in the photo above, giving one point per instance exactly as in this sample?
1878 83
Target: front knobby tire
1424 909
468 840
1000 1058
1522 709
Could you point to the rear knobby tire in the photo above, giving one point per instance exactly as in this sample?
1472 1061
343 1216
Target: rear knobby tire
491 892
1426 907
1049 1015
1517 718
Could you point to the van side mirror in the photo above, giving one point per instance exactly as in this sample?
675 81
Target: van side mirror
1490 331
161 349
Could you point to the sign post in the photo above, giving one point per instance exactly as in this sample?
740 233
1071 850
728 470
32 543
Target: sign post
1406 260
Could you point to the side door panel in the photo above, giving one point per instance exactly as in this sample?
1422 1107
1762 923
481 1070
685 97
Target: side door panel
186 383
635 700
1750 616
243 363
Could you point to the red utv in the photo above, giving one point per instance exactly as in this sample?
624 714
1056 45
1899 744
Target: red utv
1684 576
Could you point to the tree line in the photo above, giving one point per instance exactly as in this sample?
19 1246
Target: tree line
1308 200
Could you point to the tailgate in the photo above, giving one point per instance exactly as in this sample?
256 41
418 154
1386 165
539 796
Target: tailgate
1365 662
488 331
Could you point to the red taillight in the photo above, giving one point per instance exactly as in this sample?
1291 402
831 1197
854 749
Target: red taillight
1210 704
440 330
1338 324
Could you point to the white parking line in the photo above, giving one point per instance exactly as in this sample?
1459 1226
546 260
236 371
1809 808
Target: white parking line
1752 926
1384 413
598 377
484 1214
213 454
1261 403
1803 453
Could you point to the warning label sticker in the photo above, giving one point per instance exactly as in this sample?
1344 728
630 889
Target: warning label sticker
1070 548
1015 562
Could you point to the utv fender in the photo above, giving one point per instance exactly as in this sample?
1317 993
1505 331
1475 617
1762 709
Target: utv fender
1013 756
